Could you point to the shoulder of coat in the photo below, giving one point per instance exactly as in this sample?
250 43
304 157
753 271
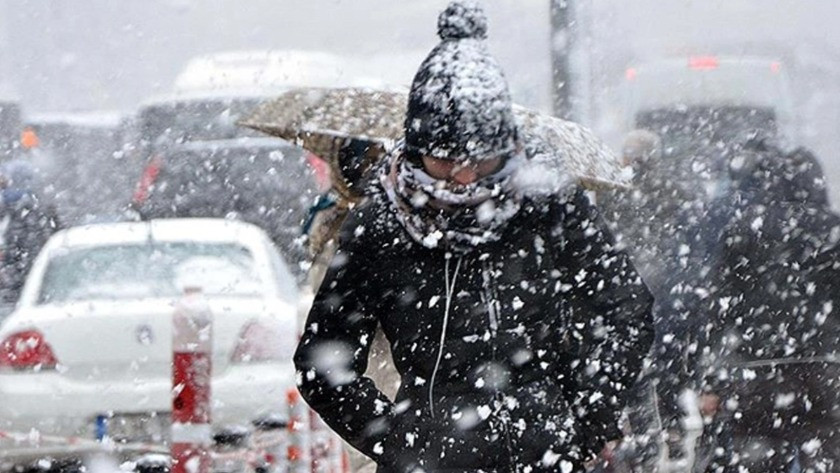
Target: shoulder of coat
371 221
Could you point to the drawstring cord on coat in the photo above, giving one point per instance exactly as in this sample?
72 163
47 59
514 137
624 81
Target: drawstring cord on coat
450 291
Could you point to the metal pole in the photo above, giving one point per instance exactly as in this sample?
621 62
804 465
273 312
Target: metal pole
571 59
581 60
562 17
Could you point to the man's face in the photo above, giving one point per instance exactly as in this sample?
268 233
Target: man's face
461 173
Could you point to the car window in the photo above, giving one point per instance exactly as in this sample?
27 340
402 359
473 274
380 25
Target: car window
214 183
743 85
692 156
209 119
149 271
270 188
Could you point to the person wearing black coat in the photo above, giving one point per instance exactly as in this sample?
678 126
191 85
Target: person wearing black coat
773 337
515 324
27 224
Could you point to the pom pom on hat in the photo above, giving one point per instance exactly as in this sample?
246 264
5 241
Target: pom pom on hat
459 106
462 20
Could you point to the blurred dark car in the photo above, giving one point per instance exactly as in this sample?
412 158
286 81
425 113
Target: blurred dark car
701 105
172 120
80 167
263 181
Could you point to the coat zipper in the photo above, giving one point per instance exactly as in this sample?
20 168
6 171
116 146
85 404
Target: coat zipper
492 304
491 299
450 293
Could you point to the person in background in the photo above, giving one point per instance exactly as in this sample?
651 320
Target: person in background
28 223
773 379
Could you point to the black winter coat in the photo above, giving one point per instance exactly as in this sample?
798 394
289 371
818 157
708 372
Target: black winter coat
774 329
778 285
537 339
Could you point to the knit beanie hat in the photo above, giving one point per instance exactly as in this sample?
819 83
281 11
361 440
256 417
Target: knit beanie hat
459 107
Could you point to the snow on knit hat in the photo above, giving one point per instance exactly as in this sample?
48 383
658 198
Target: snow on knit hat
459 107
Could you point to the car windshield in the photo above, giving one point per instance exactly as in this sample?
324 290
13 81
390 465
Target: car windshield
151 270
743 84
208 182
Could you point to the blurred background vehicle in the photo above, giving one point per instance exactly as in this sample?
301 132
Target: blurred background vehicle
79 166
199 163
274 71
700 106
263 181
92 334
213 91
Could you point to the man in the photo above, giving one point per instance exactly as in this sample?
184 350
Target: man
516 326
773 342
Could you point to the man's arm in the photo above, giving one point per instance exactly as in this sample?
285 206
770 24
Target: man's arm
612 321
333 352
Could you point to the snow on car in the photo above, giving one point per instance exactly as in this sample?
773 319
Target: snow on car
91 338
274 71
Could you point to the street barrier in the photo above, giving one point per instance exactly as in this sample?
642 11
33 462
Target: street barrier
192 345
270 436
327 452
278 444
299 453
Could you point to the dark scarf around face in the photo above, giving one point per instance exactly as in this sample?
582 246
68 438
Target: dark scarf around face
439 214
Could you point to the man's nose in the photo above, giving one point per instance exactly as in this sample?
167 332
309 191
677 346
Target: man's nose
465 175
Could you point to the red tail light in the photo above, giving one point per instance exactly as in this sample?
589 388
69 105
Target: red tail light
26 350
703 62
259 343
630 73
147 180
775 67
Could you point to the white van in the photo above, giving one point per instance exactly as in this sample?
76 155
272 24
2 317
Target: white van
273 71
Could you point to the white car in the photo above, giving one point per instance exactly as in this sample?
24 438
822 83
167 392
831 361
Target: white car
89 346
